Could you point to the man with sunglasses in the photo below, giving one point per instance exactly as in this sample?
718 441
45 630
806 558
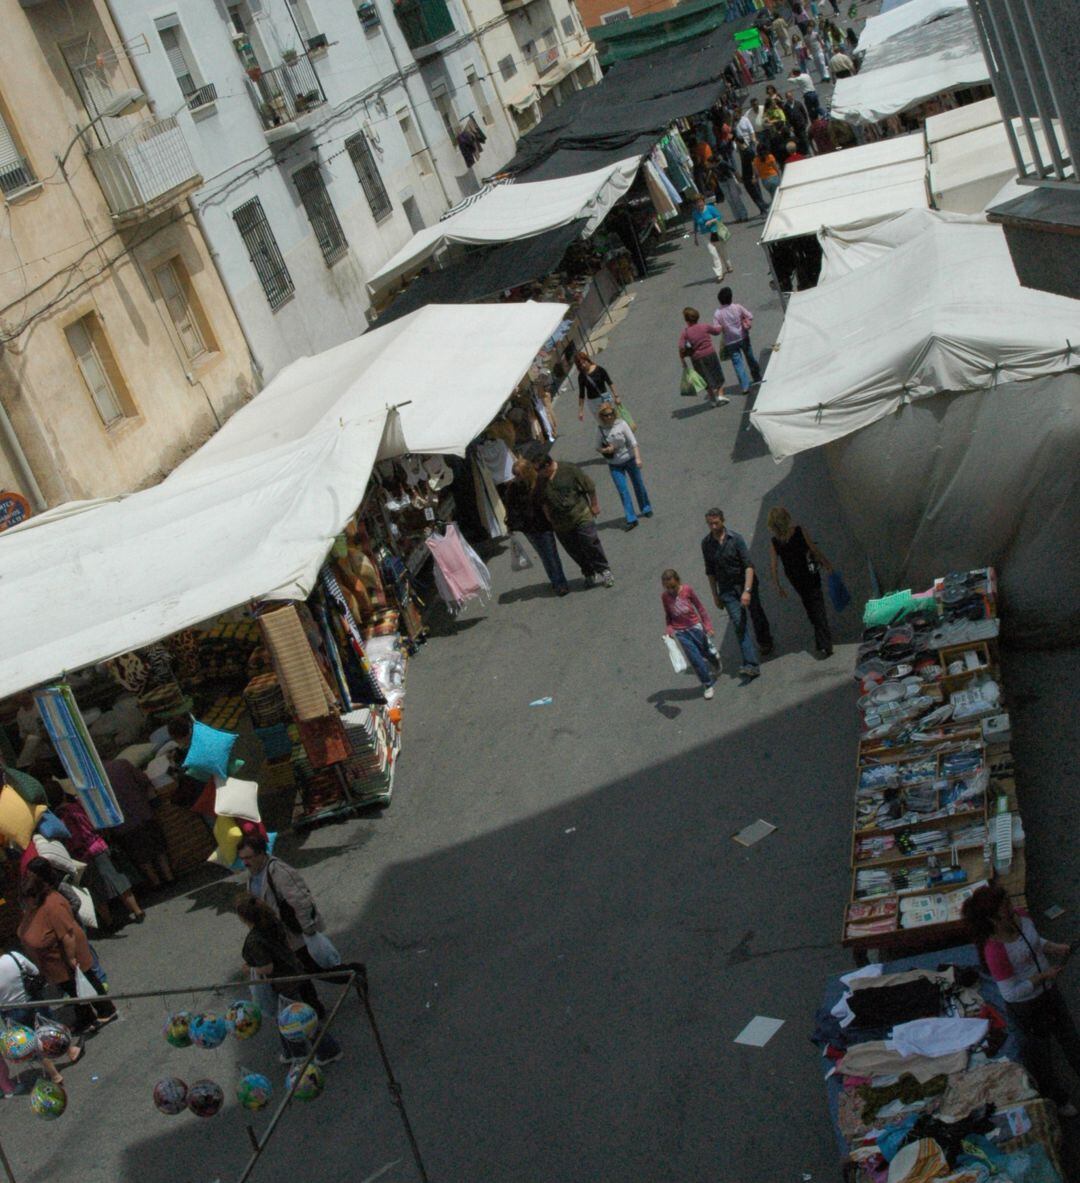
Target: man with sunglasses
568 498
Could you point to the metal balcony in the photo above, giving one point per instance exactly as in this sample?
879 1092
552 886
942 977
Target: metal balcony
146 171
285 96
424 23
204 96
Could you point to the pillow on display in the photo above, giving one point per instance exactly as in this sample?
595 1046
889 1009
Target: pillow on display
209 751
227 835
238 798
17 818
32 791
50 826
138 754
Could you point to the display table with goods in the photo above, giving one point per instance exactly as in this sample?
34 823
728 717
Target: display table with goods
922 1077
936 810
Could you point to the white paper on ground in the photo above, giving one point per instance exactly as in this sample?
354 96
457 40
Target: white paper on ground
754 832
759 1031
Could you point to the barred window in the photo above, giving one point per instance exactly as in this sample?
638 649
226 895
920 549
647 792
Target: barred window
367 172
264 253
568 25
320 211
507 67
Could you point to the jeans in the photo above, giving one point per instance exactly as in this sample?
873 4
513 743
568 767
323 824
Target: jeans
735 202
770 185
582 544
739 622
741 353
625 475
814 602
812 103
695 645
1037 1024
547 548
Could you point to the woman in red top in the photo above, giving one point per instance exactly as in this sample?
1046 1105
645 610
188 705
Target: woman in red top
55 942
696 345
688 622
87 845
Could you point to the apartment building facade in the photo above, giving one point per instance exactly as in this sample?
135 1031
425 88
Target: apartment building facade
119 349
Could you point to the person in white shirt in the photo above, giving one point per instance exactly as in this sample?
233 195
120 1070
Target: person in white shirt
807 92
744 130
840 65
756 116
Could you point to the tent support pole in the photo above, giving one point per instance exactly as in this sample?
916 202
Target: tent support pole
6 1165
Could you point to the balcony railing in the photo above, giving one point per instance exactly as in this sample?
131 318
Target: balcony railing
546 59
146 171
423 22
285 95
16 175
203 97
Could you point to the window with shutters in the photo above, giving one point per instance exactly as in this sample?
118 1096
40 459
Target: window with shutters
15 170
568 25
305 22
99 370
507 67
480 103
416 147
264 252
186 313
321 213
195 90
367 173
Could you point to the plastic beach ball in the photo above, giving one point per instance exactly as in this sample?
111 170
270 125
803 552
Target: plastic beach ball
18 1043
205 1098
208 1030
170 1096
311 1084
245 1018
48 1100
254 1090
178 1029
297 1021
53 1040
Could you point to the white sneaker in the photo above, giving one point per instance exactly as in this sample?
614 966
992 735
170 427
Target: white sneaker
709 691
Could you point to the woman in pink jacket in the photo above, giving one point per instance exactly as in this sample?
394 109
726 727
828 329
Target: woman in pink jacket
688 622
88 846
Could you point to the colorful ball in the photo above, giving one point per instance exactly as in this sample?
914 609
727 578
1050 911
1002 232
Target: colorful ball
18 1043
297 1021
48 1100
178 1029
170 1095
205 1098
254 1090
208 1030
312 1082
53 1040
245 1018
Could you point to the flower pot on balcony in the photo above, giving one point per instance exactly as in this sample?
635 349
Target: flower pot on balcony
254 73
289 56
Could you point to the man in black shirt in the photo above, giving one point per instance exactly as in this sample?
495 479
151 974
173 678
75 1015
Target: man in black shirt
735 587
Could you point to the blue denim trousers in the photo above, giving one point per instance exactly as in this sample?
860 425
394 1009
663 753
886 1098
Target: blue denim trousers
740 622
740 354
625 475
547 548
695 645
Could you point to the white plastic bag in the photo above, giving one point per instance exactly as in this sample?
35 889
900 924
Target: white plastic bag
519 558
322 949
675 652
83 989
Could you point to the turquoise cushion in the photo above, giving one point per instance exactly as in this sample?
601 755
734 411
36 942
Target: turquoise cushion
209 751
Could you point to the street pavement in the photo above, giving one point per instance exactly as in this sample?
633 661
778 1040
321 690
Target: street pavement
563 938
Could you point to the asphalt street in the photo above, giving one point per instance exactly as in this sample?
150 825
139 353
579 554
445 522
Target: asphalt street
562 937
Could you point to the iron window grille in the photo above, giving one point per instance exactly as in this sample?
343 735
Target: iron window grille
321 213
264 252
367 173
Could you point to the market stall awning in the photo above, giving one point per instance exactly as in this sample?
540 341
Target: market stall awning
637 35
509 213
911 67
855 186
960 120
254 512
913 14
943 312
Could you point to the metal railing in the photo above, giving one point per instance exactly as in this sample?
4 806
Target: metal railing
202 97
137 171
546 59
16 175
423 21
286 92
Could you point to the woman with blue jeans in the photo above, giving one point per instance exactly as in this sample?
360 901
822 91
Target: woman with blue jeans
688 622
732 321
619 447
524 515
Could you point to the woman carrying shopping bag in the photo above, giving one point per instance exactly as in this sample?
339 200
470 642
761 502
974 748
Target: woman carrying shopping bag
687 620
696 348
618 445
708 222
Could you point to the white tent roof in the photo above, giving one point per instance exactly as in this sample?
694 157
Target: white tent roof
918 64
511 212
915 13
945 312
253 513
857 185
961 120
845 249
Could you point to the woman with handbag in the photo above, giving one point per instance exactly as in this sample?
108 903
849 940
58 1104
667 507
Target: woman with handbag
20 982
709 223
802 563
734 322
696 347
618 445
687 620
57 945
524 516
595 386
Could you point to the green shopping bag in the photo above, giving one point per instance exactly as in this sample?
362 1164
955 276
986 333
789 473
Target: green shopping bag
692 383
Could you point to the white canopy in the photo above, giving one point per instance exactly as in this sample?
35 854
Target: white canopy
511 212
945 312
253 513
915 13
918 64
855 186
960 120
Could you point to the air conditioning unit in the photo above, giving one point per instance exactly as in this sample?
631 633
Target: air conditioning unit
368 14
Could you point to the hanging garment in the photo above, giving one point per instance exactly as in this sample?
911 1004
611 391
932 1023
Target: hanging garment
488 502
662 203
460 575
497 459
363 687
542 415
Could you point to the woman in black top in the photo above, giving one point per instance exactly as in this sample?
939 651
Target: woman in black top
802 562
524 515
594 385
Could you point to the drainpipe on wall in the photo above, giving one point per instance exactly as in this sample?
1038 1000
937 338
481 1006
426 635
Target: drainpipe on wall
489 69
22 462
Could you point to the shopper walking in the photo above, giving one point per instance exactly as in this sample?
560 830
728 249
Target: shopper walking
1026 967
568 497
840 65
794 549
16 971
696 346
709 223
781 34
282 888
734 587
524 516
766 170
619 447
804 84
749 180
594 385
734 322
687 620
724 174
106 883
140 836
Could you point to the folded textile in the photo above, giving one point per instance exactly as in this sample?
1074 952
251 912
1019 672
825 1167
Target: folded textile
1002 1082
937 1037
899 1004
877 1058
907 1090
